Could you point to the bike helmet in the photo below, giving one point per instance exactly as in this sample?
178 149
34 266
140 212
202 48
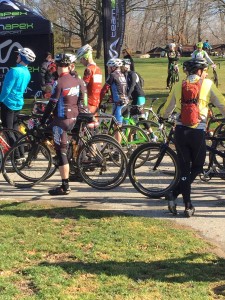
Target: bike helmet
114 62
172 45
84 51
62 59
72 57
27 55
192 65
199 45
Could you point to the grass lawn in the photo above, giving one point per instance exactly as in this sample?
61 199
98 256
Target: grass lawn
69 253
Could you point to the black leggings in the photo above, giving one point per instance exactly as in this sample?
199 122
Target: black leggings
191 150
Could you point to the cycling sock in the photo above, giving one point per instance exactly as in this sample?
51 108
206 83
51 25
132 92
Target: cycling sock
65 184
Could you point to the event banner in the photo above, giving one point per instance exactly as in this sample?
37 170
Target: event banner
113 14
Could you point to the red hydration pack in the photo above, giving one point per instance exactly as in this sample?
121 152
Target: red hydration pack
190 114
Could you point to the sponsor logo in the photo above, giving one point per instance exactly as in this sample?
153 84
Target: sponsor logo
6 44
16 26
10 3
12 13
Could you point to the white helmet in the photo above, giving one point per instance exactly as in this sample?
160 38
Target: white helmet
114 62
83 50
71 57
28 54
172 45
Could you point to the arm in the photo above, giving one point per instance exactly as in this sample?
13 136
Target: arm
104 90
208 59
87 76
9 81
133 81
82 102
217 98
169 106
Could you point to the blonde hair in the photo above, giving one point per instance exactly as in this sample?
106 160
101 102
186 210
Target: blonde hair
127 50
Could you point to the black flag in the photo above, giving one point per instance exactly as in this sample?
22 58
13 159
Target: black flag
113 20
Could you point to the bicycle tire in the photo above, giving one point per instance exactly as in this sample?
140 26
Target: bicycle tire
33 170
154 183
98 168
132 141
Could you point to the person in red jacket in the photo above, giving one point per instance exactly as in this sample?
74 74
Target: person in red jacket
92 77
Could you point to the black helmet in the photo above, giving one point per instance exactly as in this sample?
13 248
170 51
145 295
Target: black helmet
62 59
193 65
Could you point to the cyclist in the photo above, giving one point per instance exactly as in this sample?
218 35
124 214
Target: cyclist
117 84
72 66
127 55
67 100
48 74
136 94
190 140
200 53
173 56
14 86
206 46
92 77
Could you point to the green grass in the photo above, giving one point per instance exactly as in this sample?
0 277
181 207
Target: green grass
69 253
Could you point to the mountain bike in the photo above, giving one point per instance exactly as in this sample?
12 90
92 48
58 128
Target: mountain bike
8 138
159 170
174 71
93 156
131 135
215 162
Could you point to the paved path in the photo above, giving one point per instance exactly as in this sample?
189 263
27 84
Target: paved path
208 198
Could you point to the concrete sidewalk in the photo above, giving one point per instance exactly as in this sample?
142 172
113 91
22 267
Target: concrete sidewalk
208 198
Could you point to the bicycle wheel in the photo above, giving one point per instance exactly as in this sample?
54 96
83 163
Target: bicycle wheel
102 163
30 169
131 137
158 175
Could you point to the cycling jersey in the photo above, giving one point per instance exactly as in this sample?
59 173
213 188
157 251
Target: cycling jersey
208 93
69 93
116 81
14 86
201 54
93 79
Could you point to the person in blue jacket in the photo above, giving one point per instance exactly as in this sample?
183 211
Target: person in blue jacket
14 86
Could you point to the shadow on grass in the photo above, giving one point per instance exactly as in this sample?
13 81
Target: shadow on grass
8 209
193 267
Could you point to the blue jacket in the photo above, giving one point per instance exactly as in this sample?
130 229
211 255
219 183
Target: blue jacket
14 86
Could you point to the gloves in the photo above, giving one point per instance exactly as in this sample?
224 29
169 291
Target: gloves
214 66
